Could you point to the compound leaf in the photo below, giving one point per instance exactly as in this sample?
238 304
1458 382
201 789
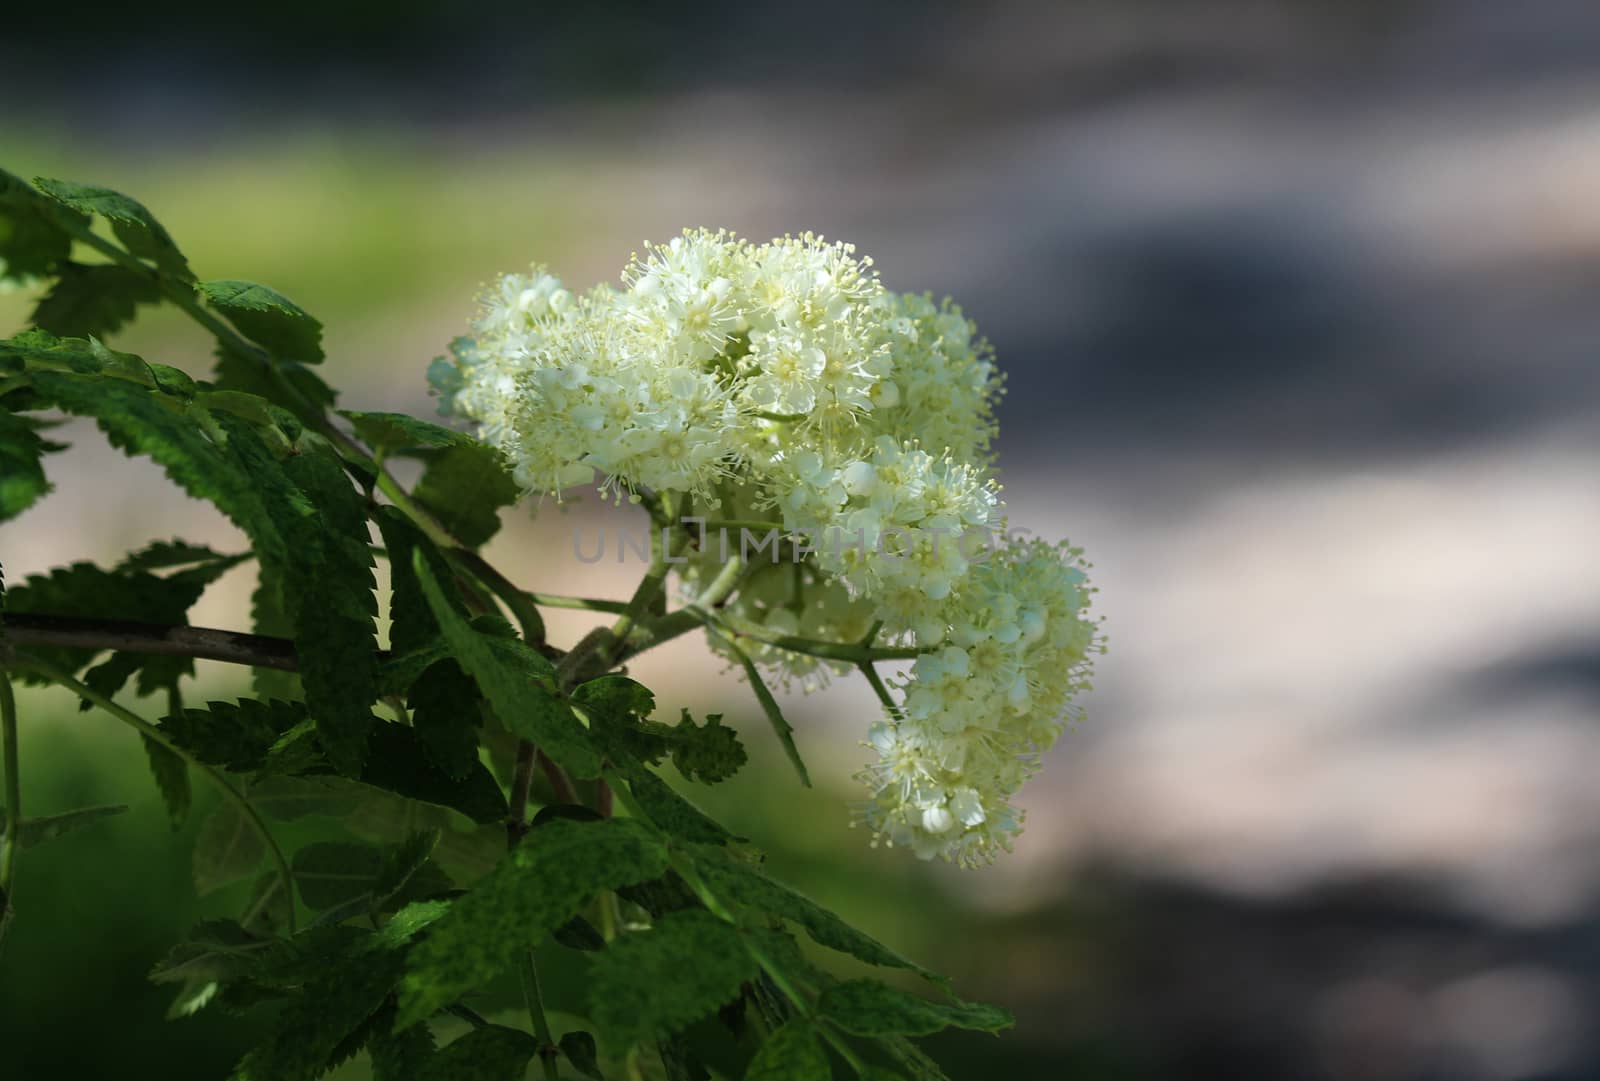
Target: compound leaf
536 888
658 981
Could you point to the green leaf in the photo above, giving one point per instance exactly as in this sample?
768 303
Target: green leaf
320 1018
269 904
135 226
658 981
444 712
36 831
306 395
166 554
678 1062
403 862
913 1059
268 318
317 540
464 487
330 873
396 433
31 240
39 350
579 1047
673 812
22 481
269 617
535 889
617 707
400 1056
93 301
515 680
870 1008
491 1053
790 1054
291 798
706 753
744 885
398 763
172 778
236 735
411 624
226 850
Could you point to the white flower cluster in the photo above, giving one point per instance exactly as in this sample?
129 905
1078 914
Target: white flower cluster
781 380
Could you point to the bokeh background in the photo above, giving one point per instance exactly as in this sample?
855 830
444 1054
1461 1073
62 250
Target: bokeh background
1300 303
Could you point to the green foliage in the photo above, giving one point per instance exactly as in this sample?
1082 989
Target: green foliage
37 831
314 534
870 1008
227 850
268 318
330 873
491 1053
735 881
237 735
22 481
579 1049
286 384
443 711
536 889
464 487
32 240
398 433
617 708
93 300
700 957
517 682
325 1012
172 778
135 226
424 872
792 1053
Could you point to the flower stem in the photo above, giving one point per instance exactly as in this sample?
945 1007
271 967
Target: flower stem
878 688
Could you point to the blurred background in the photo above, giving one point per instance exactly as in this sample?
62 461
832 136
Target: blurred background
1300 305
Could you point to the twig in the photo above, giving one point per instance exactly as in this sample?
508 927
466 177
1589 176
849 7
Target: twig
175 640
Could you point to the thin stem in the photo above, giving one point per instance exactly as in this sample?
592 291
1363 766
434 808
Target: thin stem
769 704
469 1015
879 689
559 781
145 728
718 524
853 652
590 604
522 603
657 632
541 1025
13 827
517 804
